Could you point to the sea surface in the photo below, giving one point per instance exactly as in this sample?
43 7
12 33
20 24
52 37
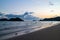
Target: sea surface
9 29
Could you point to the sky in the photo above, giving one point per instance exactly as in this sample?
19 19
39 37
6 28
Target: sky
41 8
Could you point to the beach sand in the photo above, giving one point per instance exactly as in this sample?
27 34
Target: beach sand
51 33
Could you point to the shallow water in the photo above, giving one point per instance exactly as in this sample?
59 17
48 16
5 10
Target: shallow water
10 29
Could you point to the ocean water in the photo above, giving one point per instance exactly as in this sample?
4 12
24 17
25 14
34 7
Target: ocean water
9 29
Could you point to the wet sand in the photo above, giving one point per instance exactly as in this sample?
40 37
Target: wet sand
51 33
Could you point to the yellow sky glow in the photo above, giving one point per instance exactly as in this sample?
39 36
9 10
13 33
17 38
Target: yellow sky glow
46 15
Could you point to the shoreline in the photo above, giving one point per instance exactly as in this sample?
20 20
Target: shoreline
51 33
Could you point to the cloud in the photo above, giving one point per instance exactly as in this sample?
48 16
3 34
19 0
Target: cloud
1 13
25 16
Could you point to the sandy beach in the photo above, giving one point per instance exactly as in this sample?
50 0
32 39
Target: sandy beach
51 33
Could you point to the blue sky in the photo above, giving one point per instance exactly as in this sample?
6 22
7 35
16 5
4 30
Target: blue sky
41 8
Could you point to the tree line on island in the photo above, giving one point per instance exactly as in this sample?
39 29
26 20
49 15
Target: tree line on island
19 19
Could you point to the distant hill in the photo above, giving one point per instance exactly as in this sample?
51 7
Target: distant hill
11 19
15 19
3 19
52 19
